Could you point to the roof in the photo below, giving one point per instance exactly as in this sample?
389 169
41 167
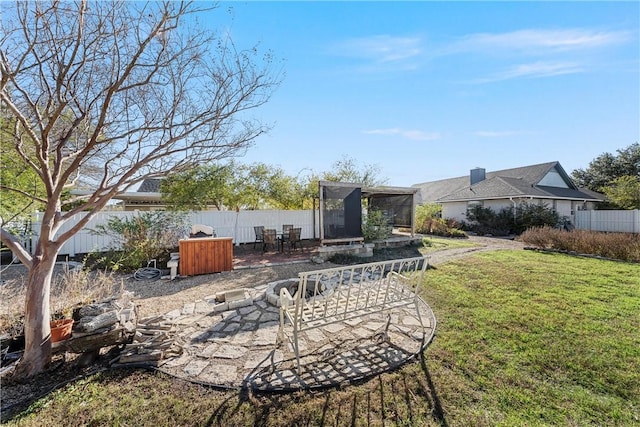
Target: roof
150 185
384 190
516 182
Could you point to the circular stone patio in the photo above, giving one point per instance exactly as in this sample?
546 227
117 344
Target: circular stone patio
238 348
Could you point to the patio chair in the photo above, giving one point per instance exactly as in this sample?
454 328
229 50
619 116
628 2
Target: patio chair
259 230
285 234
284 238
269 239
295 241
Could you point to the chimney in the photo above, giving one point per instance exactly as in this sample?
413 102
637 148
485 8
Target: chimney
477 175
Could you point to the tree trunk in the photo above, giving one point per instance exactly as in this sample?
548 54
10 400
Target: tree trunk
37 332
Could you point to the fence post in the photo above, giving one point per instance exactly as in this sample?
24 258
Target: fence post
636 221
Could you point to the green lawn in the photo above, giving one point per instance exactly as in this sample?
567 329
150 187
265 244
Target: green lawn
435 244
524 338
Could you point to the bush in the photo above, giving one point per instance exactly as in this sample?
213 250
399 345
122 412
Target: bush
375 226
141 238
530 215
428 221
622 246
485 221
426 212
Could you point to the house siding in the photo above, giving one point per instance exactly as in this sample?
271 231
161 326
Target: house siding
455 210
458 210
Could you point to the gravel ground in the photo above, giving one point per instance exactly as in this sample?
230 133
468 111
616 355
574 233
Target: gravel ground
161 296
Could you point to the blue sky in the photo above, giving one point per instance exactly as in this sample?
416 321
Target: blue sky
429 90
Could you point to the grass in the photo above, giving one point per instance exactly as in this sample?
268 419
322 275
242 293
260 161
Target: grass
434 244
524 338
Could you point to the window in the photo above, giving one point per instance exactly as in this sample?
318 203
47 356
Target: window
473 203
553 179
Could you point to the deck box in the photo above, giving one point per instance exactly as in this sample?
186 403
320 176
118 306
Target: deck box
206 255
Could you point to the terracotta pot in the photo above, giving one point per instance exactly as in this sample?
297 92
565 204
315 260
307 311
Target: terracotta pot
61 329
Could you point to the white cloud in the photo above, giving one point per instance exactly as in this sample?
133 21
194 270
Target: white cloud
380 48
534 41
551 52
534 70
416 135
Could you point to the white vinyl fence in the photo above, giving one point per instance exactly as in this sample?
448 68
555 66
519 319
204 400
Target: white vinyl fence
238 225
619 221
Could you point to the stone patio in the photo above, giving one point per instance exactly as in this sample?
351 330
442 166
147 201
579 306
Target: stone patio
238 348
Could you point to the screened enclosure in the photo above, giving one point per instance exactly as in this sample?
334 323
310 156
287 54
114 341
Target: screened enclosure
341 209
397 209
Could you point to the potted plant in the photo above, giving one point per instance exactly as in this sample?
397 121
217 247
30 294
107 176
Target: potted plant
61 325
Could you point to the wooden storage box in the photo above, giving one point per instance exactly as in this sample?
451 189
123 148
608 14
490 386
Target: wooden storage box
205 255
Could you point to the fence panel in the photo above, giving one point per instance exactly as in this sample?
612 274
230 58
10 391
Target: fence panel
615 220
237 225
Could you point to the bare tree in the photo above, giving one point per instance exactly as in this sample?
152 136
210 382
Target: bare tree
122 89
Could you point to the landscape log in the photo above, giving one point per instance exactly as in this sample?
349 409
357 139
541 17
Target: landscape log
94 341
153 356
90 324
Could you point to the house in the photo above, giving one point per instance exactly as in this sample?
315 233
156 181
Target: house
146 198
544 184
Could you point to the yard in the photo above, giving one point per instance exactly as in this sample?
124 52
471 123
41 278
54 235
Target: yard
524 338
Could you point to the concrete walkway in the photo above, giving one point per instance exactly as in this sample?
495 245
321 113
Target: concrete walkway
238 348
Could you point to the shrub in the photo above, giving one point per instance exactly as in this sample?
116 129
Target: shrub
529 215
486 221
139 239
428 221
457 233
426 212
375 226
622 246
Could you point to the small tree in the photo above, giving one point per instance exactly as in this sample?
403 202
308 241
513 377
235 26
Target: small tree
199 187
113 92
624 192
347 170
232 186
375 226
